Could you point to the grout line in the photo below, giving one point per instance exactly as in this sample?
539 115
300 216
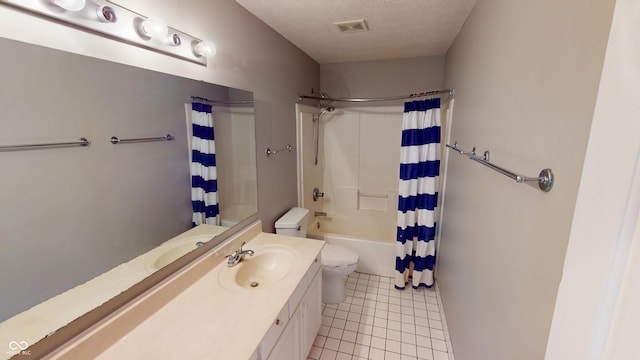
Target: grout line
376 319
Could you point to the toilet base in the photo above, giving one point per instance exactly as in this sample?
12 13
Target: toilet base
333 281
333 289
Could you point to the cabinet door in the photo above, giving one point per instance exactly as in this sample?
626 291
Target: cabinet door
274 332
311 309
297 337
288 346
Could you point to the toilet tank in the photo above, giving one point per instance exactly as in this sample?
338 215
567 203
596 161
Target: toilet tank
293 223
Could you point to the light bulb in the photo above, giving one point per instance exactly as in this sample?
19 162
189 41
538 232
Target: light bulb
153 28
174 39
70 5
106 14
204 49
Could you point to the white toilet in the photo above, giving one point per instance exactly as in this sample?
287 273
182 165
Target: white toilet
337 261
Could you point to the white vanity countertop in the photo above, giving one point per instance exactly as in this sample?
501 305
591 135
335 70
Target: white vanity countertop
207 320
48 316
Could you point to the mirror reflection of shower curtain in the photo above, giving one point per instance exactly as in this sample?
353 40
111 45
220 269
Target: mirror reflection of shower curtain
418 193
204 183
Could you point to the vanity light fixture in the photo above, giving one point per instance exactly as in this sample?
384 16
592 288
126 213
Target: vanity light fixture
111 20
174 40
106 14
204 49
153 28
70 5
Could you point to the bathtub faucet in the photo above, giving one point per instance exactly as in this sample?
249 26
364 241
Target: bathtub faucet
319 213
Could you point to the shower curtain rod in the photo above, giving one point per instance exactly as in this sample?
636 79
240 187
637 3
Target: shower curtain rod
237 102
324 96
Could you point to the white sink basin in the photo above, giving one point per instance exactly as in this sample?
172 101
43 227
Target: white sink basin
269 264
172 255
173 252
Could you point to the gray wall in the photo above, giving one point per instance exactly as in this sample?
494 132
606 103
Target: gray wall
251 56
374 79
526 76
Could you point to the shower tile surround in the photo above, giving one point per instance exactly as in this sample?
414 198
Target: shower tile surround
376 321
355 144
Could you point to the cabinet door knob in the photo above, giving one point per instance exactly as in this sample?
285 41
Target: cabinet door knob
277 321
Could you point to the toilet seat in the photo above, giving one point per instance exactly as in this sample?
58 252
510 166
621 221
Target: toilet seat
338 255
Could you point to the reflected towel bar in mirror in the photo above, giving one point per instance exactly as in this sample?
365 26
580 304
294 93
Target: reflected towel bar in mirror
115 140
545 179
270 152
80 142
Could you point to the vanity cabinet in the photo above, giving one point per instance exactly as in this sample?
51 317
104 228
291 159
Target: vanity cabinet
276 322
311 315
299 321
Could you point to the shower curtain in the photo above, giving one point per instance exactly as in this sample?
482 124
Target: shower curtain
418 193
204 184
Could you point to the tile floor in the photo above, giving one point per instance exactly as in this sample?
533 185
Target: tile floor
376 321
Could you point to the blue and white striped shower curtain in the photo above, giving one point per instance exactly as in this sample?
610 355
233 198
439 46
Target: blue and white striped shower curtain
418 193
204 183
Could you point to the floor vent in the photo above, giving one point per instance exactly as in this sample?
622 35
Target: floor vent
352 26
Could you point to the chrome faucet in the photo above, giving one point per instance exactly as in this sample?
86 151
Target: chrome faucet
237 256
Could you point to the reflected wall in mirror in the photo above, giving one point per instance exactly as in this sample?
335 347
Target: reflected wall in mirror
73 213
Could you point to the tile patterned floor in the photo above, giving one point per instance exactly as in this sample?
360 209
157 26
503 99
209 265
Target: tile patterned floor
378 322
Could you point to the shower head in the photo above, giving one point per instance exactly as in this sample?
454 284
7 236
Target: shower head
326 110
316 117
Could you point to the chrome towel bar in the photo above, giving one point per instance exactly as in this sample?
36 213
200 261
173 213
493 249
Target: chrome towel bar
268 152
115 140
80 142
545 179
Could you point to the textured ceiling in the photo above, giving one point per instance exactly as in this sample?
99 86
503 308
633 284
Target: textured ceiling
397 28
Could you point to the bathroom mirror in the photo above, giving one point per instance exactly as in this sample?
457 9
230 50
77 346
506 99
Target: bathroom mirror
72 213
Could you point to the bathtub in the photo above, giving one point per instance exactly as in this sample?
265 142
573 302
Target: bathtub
377 258
235 213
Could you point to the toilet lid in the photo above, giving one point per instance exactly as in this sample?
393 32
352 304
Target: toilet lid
338 255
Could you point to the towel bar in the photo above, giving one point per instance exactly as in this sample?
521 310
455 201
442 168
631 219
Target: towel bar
115 140
80 142
545 179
